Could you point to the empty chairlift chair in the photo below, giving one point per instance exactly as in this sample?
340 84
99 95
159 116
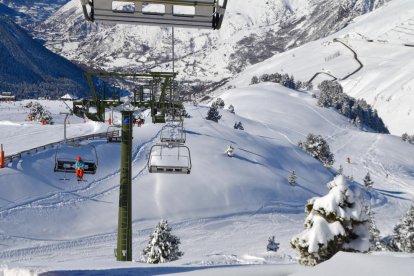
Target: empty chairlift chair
169 158
173 134
113 135
205 14
65 158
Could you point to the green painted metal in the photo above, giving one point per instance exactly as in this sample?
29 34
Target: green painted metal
124 245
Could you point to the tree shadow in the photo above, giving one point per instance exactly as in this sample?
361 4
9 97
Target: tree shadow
147 271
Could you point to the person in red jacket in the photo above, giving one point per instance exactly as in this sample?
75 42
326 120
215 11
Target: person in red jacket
79 167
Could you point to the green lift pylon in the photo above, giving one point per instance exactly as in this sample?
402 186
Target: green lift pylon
124 246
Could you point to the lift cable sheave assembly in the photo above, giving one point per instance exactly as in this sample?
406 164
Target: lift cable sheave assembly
202 14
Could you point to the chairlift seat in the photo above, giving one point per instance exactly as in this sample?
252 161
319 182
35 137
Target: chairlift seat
68 166
205 14
113 135
167 158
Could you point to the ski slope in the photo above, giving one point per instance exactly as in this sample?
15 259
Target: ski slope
224 211
383 42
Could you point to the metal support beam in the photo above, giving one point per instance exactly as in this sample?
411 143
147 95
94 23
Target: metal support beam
124 248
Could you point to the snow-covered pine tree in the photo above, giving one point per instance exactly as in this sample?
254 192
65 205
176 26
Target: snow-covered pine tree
272 245
316 146
230 151
213 113
403 237
335 222
219 103
368 181
292 178
231 108
162 246
375 239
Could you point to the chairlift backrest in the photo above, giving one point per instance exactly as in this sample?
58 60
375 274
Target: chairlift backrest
169 158
173 134
205 14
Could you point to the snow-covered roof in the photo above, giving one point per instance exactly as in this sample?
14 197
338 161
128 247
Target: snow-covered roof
68 97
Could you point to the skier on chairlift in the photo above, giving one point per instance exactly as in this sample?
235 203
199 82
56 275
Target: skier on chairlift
79 167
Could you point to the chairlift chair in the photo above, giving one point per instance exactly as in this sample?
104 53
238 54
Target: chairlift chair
169 158
65 158
113 134
173 134
204 14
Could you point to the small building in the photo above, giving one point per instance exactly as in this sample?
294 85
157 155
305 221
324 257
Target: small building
68 97
7 97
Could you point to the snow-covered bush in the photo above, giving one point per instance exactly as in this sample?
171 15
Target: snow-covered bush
316 146
162 246
213 114
39 113
238 125
403 237
335 222
292 178
231 108
368 181
272 245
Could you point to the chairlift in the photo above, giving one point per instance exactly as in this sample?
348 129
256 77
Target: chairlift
65 158
169 158
204 14
113 134
173 134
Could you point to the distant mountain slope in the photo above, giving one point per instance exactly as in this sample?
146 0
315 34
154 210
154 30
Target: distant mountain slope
33 10
384 43
27 69
252 32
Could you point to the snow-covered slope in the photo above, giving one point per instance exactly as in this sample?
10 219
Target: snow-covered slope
383 42
224 211
27 69
252 31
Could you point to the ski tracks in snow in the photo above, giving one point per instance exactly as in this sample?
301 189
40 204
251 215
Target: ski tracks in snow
64 198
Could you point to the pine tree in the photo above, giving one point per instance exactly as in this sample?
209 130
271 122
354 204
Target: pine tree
368 181
213 114
162 246
238 125
403 238
335 222
316 146
272 245
405 137
292 178
375 240
255 80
